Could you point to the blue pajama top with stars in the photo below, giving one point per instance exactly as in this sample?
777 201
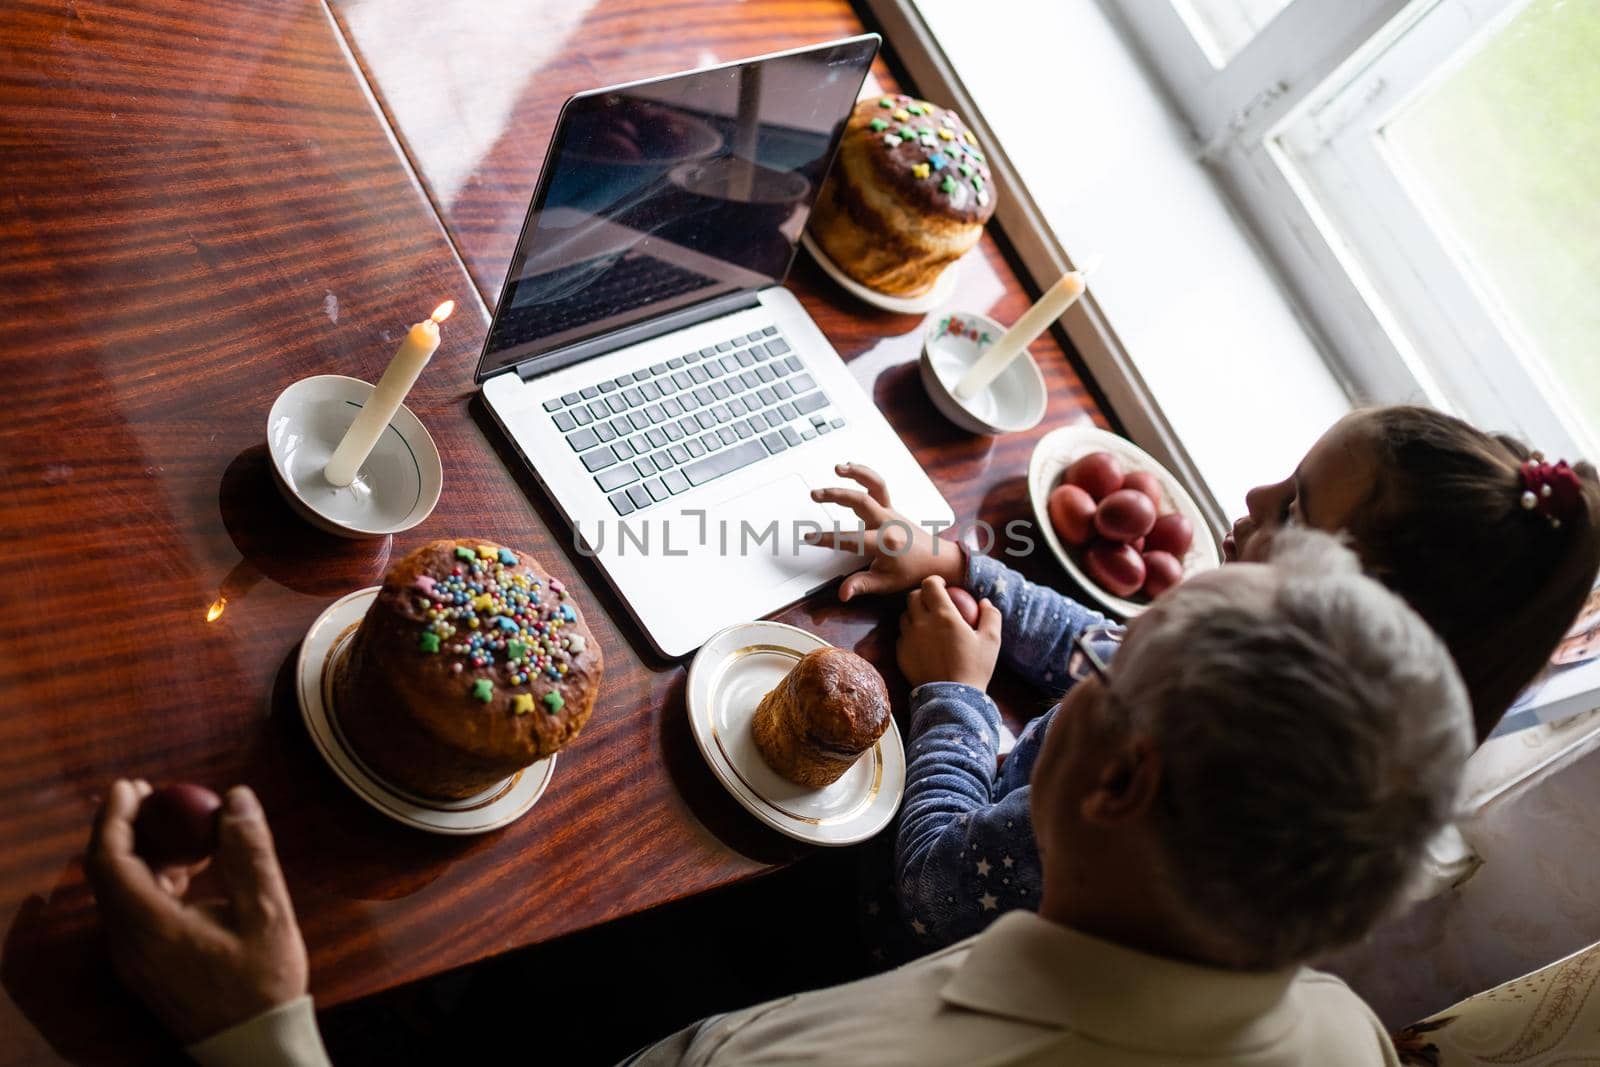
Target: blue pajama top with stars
964 851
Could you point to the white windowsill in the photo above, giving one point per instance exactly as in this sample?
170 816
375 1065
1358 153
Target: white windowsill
1226 365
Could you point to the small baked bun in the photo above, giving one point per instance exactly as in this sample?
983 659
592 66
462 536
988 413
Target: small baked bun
824 714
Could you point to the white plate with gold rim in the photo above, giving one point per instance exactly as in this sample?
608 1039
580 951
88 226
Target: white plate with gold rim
727 679
324 644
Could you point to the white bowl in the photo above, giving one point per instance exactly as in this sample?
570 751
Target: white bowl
396 487
1014 401
1057 450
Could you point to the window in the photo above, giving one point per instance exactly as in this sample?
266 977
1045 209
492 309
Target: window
1422 172
1185 331
1222 27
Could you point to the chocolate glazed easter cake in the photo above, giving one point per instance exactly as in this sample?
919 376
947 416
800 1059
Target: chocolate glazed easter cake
908 196
471 664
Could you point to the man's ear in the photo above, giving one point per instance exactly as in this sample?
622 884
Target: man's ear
1127 786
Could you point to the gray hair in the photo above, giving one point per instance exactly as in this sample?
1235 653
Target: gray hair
1312 732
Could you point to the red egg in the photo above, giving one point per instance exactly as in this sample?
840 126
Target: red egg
1116 568
1072 514
965 604
177 824
1146 483
1098 474
1125 515
1171 533
1162 572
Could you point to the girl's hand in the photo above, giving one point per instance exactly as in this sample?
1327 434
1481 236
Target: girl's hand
902 553
937 645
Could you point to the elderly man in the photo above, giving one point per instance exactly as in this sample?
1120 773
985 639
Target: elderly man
1248 786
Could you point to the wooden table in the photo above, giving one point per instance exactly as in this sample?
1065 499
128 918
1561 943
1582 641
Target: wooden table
203 202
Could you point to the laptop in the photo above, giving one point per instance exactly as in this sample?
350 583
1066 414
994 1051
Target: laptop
674 400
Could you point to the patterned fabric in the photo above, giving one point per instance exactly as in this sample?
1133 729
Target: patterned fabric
964 851
1548 1018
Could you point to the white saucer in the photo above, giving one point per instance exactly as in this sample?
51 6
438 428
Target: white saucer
490 810
397 485
727 679
1057 450
939 295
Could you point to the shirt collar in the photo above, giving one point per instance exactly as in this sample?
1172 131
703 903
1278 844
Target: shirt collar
1025 967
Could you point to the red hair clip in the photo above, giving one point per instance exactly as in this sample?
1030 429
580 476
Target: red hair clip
1551 489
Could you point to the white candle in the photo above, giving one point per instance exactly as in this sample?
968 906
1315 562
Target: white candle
1015 341
398 378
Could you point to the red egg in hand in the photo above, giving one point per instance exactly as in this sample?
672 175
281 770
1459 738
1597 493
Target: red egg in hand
1098 474
177 824
1116 568
1071 512
1125 515
1162 572
1146 483
965 604
1171 533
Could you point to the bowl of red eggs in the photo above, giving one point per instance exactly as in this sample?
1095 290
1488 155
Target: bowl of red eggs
1122 526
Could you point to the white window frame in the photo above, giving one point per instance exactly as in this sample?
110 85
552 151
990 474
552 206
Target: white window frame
1288 126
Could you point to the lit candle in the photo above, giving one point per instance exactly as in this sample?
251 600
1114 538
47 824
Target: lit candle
398 378
1015 341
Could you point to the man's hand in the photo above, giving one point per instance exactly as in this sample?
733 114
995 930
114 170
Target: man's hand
201 967
902 553
937 645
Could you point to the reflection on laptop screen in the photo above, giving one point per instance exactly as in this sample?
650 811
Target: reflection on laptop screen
672 192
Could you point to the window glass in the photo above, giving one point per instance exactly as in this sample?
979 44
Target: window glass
1502 153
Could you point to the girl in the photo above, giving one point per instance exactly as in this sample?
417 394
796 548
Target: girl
1490 544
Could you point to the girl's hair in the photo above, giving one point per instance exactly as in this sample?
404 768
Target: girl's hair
1446 529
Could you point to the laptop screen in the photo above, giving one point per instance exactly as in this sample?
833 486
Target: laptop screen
672 192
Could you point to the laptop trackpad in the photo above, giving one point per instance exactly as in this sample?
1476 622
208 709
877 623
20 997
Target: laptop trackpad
759 533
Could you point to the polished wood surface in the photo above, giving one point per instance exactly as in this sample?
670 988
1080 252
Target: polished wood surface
201 203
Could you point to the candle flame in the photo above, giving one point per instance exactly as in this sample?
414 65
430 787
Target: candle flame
214 612
443 311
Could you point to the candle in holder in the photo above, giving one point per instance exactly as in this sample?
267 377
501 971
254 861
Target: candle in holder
398 378
1016 340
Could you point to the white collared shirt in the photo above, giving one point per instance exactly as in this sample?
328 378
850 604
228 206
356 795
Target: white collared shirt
1027 991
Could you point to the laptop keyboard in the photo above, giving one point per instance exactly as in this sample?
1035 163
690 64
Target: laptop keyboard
634 282
657 432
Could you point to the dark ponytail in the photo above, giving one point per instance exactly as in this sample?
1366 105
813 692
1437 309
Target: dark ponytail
1447 530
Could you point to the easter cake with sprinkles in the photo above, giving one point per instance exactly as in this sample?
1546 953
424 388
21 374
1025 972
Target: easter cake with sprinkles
472 663
908 195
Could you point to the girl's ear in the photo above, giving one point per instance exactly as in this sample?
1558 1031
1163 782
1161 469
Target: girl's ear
1128 785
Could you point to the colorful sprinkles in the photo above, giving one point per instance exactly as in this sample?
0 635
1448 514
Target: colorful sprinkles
486 611
949 148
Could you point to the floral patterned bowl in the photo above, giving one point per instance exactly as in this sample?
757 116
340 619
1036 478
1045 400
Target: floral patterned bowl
953 342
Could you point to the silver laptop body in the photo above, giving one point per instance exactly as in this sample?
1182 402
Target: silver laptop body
672 398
